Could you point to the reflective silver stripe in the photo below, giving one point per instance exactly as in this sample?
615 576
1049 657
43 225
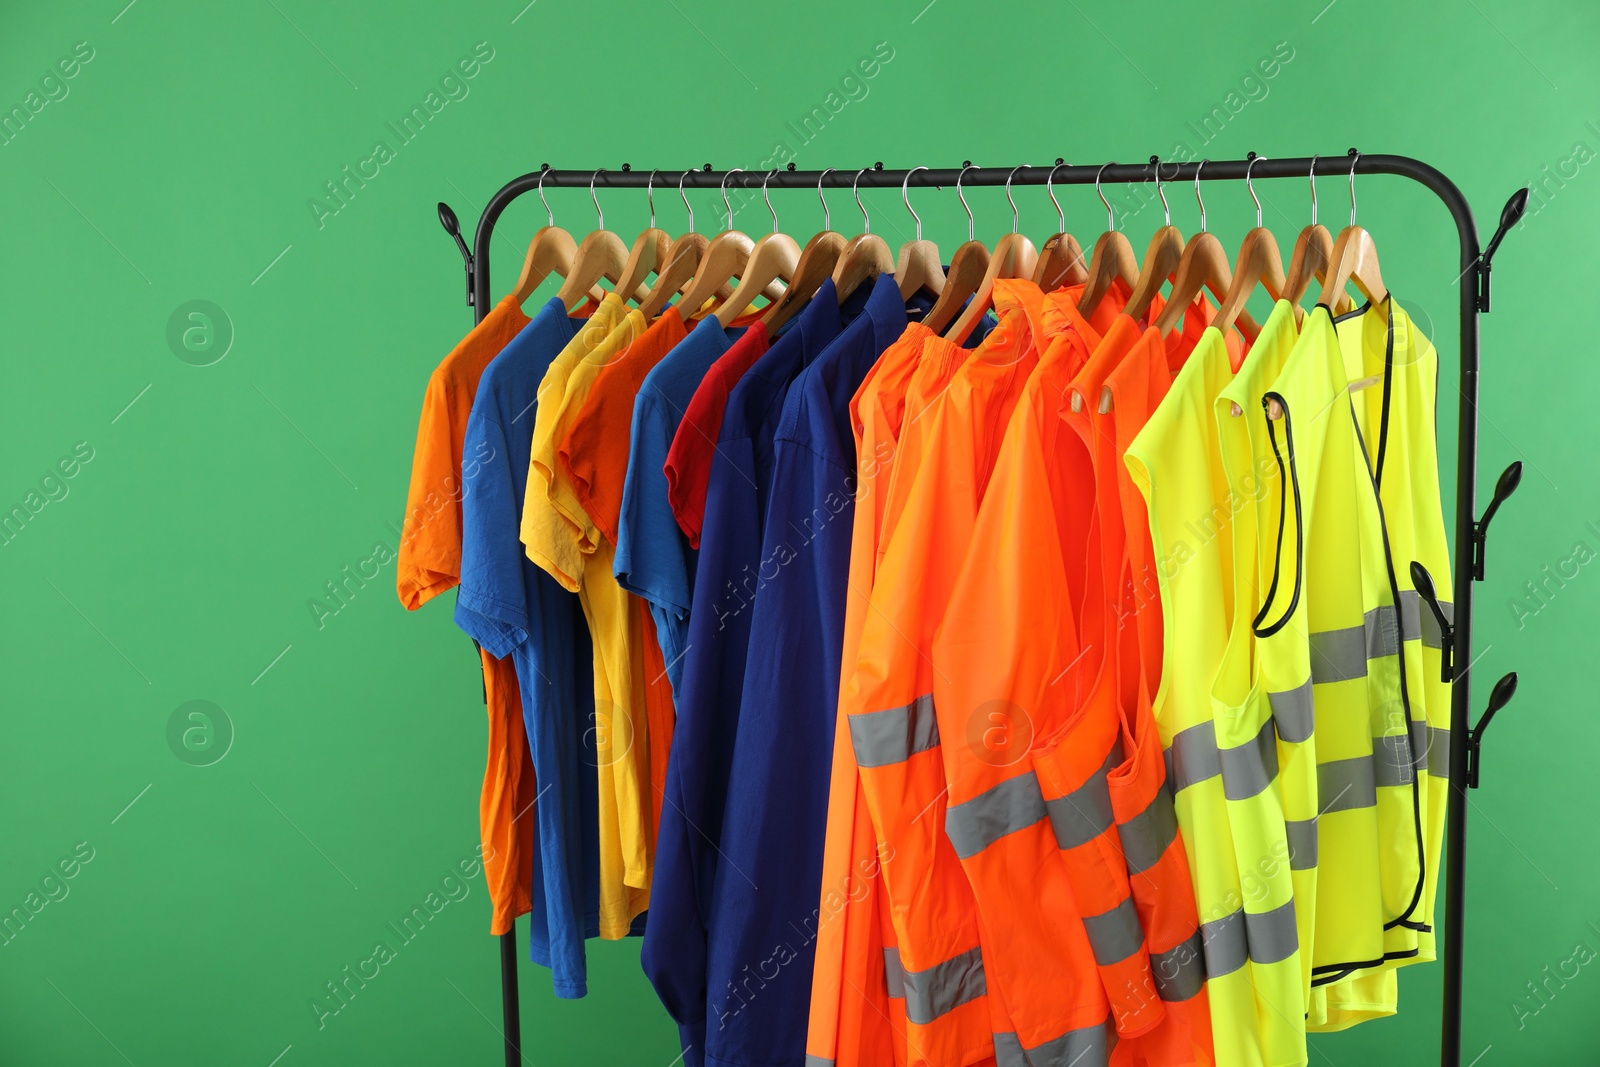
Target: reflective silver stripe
1411 612
1391 760
1430 747
1147 836
1291 710
1302 834
1008 1051
882 738
1226 949
817 1061
1085 813
944 987
1345 784
1248 769
1192 756
1180 972
1382 630
1115 934
1088 1047
894 975
973 825
1339 655
1272 934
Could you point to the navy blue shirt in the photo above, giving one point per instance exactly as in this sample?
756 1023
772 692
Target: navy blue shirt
512 607
653 557
707 697
765 901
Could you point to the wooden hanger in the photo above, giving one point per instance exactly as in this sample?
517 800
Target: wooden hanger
1354 258
1259 262
1166 251
1313 251
600 255
650 251
550 252
865 257
724 259
968 267
1014 257
774 257
1112 259
1060 257
919 265
817 260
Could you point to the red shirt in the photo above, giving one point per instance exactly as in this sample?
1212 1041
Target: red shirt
688 466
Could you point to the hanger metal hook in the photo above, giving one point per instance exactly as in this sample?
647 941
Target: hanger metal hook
827 219
1355 157
685 197
1013 203
972 227
1198 167
1166 209
1111 216
866 220
905 194
599 215
1313 177
550 215
731 171
1050 188
770 209
1250 185
650 195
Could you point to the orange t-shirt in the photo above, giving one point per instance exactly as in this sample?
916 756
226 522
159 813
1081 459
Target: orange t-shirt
430 563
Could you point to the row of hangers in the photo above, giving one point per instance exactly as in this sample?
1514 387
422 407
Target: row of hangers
735 270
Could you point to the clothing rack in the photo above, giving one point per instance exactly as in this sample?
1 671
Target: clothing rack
1470 531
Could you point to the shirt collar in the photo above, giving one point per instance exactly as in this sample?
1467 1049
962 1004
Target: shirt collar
886 311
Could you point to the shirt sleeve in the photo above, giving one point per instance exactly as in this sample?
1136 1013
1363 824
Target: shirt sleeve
652 555
549 536
492 603
430 542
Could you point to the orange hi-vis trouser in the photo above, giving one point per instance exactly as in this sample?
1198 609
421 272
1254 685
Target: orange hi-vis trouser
1031 950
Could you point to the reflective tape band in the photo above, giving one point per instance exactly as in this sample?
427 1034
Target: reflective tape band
1085 813
1263 937
944 987
1248 769
1292 711
1411 612
1302 835
1115 934
1338 655
1087 1047
1381 628
1147 836
817 1061
894 975
1223 940
973 825
883 738
1180 972
1273 936
1008 1051
1430 749
1391 760
1345 784
1192 756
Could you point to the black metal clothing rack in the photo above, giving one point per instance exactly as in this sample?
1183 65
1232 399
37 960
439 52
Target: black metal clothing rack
1470 531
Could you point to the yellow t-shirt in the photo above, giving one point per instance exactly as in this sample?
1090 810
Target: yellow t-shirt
562 539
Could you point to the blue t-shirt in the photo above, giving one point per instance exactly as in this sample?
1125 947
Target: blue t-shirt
765 901
653 558
707 698
512 607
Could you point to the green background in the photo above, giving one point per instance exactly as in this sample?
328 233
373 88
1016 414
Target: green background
179 566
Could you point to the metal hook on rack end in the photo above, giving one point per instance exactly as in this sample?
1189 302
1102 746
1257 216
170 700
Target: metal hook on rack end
905 194
1250 185
730 172
1355 157
866 220
544 168
1111 216
1014 216
770 209
650 195
972 229
1507 484
1050 188
1198 167
685 197
1422 581
599 215
827 218
1499 697
1167 211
